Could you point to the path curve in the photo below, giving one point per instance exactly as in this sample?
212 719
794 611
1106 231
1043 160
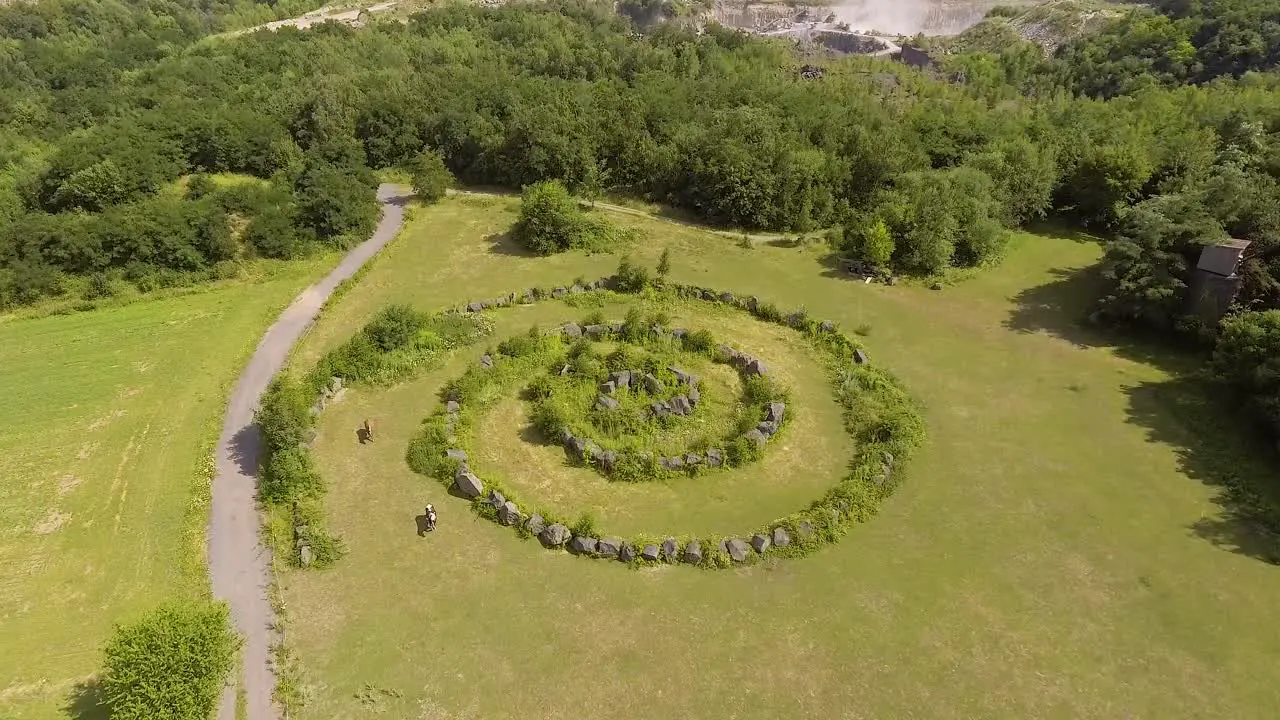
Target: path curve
239 564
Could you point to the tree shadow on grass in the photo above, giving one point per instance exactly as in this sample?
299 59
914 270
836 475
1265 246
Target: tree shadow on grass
1214 445
504 244
1219 450
1062 308
85 701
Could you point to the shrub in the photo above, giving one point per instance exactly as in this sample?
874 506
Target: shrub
664 263
429 176
170 665
700 341
585 525
200 186
742 451
549 418
631 278
395 327
635 328
289 475
272 234
1247 360
551 222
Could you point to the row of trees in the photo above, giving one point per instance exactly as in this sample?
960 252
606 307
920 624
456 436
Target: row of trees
921 173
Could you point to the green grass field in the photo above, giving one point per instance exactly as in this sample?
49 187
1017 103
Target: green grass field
108 420
1062 547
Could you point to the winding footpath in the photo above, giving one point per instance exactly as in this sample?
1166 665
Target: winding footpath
239 564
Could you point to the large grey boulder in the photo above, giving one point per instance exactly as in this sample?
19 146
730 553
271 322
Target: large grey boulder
692 460
607 460
827 326
760 543
767 428
681 376
649 553
860 357
609 547
627 553
805 529
468 485
781 538
692 553
651 383
670 549
497 499
486 360
715 457
608 387
554 535
452 406
475 307
305 556
604 402
726 297
694 395
755 436
738 550
583 545
456 454
509 514
535 524
680 405
572 330
620 379
754 368
559 292
775 412
596 332
660 408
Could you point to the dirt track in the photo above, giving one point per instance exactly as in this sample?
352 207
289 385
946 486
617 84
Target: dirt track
239 564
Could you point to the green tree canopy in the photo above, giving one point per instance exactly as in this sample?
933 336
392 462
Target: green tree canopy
169 665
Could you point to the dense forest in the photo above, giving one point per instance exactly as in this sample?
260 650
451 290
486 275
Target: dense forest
1160 132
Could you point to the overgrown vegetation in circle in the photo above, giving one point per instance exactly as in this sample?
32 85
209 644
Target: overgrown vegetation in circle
878 413
397 342
551 221
170 664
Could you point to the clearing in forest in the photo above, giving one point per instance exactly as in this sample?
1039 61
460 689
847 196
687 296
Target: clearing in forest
1058 547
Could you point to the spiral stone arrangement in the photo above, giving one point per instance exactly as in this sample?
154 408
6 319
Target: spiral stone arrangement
879 414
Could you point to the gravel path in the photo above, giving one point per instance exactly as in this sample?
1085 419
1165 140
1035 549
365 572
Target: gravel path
239 565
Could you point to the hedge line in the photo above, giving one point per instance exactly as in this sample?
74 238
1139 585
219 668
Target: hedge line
395 344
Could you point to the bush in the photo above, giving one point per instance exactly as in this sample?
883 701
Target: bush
200 186
630 278
272 234
700 341
1247 360
289 475
429 176
395 327
585 525
551 222
170 665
